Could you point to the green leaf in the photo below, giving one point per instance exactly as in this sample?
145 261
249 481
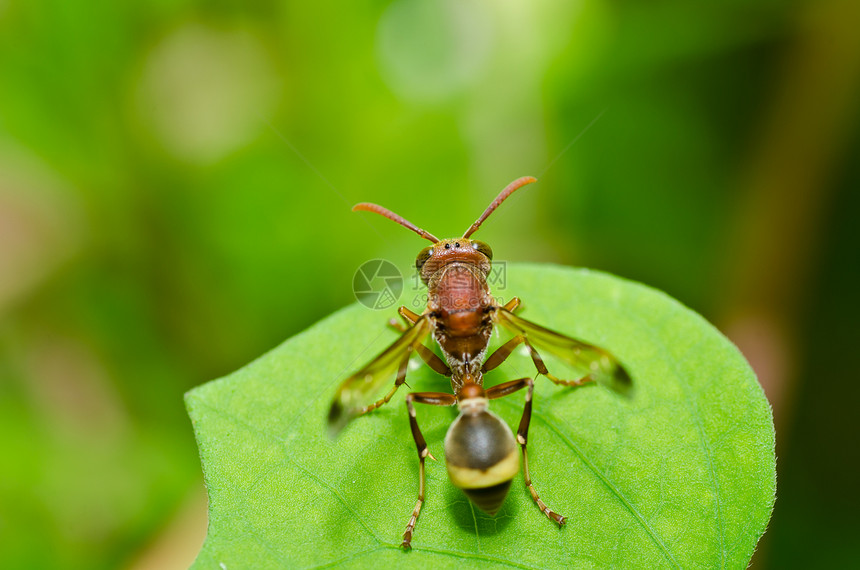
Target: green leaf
682 474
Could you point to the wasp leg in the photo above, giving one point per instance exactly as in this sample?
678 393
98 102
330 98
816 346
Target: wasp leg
407 316
433 399
512 304
502 353
505 389
427 355
433 361
400 380
541 368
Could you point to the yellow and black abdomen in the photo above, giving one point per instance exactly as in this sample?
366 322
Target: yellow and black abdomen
482 458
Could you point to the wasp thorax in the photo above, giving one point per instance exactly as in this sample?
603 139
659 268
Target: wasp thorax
481 455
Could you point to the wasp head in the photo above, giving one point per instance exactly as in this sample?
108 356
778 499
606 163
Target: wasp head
471 251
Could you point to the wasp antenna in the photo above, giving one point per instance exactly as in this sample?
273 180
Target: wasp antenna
368 207
509 189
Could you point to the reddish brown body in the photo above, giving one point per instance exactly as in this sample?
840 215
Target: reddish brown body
460 307
480 449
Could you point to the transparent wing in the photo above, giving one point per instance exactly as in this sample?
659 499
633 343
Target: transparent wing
584 358
358 390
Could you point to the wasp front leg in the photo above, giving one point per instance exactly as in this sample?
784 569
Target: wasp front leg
408 317
433 399
437 364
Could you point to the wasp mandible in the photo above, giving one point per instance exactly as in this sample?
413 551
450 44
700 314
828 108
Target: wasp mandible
480 449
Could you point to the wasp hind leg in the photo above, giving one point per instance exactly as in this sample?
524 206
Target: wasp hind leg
502 390
522 438
432 399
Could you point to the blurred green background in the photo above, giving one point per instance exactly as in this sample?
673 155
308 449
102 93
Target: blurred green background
175 185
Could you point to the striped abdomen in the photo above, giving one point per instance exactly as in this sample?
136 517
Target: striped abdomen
482 458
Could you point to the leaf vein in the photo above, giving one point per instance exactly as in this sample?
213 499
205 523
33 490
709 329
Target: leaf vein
690 403
611 486
229 416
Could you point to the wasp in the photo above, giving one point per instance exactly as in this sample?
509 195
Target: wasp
480 449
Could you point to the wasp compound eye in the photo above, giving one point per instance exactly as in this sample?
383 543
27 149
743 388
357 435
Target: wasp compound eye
422 258
483 248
